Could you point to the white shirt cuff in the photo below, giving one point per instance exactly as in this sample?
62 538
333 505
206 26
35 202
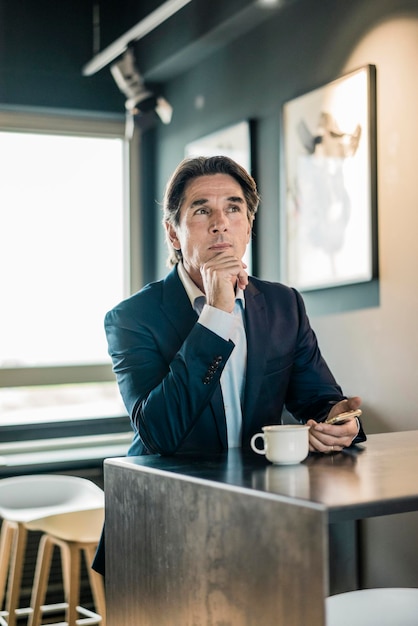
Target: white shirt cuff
219 322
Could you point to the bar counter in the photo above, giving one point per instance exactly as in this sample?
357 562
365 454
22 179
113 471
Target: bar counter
232 540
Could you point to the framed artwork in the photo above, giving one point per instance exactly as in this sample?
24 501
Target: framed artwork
329 141
234 142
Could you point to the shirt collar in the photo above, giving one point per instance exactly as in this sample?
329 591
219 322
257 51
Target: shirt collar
193 290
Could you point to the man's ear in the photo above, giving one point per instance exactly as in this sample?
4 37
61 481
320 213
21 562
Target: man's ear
172 235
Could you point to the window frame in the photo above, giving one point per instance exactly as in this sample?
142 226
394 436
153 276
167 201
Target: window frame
89 124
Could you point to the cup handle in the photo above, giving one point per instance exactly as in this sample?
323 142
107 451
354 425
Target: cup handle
254 447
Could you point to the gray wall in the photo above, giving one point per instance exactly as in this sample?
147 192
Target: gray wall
368 333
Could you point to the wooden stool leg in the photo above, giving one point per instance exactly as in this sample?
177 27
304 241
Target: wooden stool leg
96 584
41 578
8 532
15 575
70 552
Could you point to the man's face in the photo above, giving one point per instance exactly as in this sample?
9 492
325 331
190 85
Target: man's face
213 219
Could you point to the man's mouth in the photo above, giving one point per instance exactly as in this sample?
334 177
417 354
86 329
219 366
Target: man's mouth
222 245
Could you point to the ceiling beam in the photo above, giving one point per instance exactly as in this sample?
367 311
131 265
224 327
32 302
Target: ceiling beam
141 29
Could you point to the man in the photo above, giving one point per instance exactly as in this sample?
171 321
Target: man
209 355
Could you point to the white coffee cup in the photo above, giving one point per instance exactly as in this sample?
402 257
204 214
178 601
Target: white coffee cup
283 444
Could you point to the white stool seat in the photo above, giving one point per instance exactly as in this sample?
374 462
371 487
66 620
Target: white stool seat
85 526
69 511
30 498
373 607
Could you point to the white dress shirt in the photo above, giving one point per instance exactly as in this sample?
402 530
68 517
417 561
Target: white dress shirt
229 326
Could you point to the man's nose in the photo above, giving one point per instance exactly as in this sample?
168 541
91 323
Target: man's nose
219 222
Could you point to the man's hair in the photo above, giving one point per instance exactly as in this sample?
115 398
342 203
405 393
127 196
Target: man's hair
194 167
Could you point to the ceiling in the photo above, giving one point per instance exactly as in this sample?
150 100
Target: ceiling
44 46
193 30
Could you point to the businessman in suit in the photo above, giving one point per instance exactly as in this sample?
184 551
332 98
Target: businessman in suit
209 355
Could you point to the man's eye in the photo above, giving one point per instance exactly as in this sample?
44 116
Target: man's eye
201 211
234 208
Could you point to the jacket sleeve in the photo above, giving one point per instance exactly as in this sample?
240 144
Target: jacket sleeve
313 389
164 394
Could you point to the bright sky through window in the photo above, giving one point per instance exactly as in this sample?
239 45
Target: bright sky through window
61 246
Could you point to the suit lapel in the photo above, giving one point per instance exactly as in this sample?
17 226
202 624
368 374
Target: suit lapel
176 305
256 329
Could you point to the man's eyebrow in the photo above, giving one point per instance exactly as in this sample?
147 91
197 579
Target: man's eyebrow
198 202
202 201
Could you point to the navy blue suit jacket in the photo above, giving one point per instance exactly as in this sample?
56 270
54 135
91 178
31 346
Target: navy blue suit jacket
168 367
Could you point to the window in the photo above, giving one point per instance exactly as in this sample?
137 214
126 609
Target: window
64 259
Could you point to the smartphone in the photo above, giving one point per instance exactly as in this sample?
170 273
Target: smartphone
341 418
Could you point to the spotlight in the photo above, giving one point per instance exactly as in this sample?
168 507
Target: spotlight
141 103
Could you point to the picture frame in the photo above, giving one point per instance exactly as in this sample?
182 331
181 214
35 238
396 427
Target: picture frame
329 149
232 141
